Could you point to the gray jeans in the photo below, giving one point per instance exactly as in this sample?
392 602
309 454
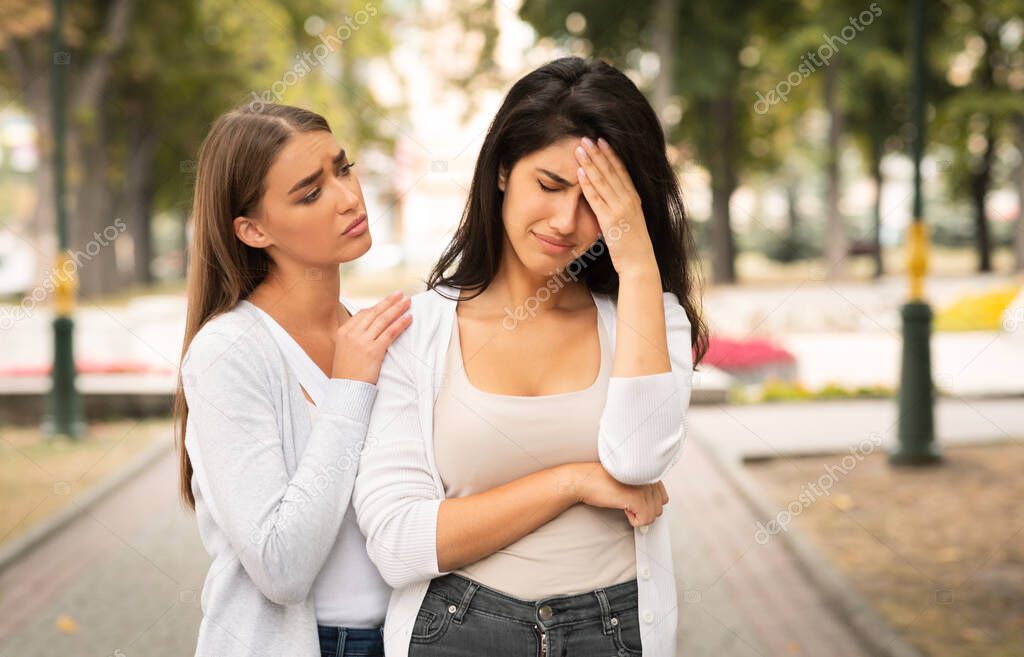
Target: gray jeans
462 618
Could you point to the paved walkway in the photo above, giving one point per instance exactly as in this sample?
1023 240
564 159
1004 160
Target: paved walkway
128 575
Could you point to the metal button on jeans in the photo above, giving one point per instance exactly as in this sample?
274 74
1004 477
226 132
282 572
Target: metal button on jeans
544 612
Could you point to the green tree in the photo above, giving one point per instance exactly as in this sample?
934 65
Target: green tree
981 50
703 91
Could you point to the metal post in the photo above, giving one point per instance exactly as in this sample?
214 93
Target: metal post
64 409
916 394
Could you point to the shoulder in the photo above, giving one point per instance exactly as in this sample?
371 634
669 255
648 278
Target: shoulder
232 338
434 300
431 311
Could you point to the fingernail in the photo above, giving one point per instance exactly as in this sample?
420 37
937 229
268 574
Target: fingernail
588 143
602 143
581 173
581 153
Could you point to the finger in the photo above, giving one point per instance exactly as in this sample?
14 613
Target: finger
664 493
621 172
601 182
367 315
396 329
604 165
387 316
593 196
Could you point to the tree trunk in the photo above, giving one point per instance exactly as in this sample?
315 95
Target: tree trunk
723 266
719 147
91 222
835 232
980 181
137 203
88 189
876 176
1018 236
664 42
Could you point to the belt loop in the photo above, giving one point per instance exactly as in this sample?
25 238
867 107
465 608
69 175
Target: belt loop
471 589
342 635
606 611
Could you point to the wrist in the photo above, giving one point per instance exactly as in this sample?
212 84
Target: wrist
641 272
568 483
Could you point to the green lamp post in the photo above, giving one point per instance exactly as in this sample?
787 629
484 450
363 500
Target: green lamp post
916 394
64 408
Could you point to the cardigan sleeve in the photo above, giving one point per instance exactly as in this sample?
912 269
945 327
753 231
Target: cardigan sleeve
282 527
396 500
643 424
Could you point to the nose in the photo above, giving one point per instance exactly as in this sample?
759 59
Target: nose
564 221
347 198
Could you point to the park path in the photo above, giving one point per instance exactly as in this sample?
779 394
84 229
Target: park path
126 576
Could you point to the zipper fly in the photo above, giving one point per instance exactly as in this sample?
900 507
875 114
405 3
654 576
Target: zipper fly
543 642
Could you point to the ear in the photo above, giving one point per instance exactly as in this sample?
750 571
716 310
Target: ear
502 178
250 232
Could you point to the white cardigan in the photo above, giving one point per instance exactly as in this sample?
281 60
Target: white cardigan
271 485
398 490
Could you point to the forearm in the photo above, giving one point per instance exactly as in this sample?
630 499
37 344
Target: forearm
476 526
641 346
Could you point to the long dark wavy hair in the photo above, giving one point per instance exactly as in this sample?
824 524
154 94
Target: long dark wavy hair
574 97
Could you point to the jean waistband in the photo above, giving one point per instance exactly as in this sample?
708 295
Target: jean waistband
604 603
352 633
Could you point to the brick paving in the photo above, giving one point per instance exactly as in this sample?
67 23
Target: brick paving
130 572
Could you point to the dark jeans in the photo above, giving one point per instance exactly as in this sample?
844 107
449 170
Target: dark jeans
462 618
350 642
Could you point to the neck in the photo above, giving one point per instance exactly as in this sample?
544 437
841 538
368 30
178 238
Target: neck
304 298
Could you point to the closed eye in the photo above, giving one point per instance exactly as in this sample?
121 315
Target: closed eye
548 189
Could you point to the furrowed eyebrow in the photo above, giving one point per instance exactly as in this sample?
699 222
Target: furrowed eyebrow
557 178
311 178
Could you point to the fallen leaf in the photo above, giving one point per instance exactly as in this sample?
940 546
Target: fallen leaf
66 624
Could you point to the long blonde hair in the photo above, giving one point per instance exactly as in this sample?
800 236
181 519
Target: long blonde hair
230 182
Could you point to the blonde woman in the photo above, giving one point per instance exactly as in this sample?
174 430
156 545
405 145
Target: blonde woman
278 378
511 488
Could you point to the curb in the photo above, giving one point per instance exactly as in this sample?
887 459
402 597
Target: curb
17 548
875 634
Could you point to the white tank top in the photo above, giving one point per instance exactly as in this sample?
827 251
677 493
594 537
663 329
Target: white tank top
483 440
349 591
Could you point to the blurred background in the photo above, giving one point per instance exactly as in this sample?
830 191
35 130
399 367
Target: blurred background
854 175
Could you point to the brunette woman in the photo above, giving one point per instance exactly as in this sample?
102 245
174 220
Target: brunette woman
511 489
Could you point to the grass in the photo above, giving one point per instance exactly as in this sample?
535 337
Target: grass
39 477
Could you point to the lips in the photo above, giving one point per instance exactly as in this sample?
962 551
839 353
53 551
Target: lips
551 245
361 219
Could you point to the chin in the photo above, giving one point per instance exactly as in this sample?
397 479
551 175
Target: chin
357 249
